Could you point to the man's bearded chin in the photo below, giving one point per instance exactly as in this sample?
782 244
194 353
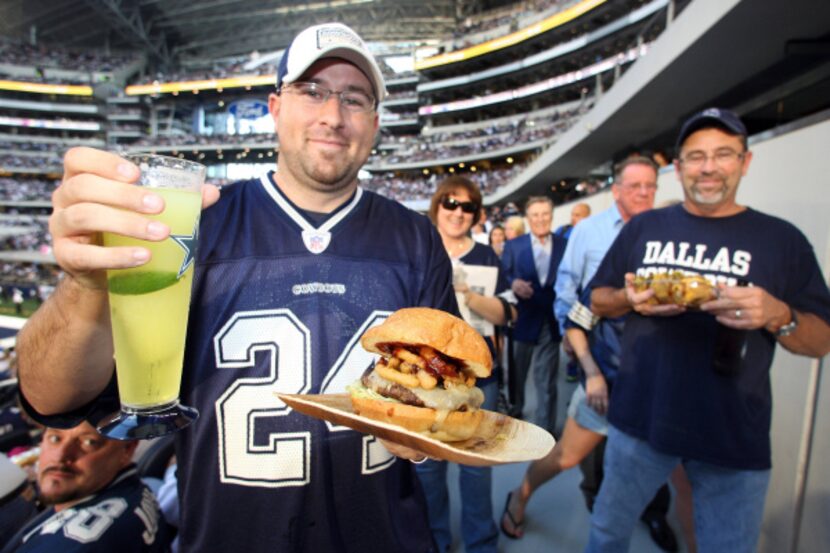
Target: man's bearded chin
51 497
334 179
710 198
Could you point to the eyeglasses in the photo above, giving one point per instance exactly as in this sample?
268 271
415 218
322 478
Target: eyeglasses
722 158
451 204
313 94
644 186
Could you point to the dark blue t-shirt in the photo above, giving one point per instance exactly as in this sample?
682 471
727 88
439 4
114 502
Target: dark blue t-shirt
668 391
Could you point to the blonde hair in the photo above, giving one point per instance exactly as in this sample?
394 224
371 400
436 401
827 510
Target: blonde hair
515 223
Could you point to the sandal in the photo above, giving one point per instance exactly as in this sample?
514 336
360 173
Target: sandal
518 527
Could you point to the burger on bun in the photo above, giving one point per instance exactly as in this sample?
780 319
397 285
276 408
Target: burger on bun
425 378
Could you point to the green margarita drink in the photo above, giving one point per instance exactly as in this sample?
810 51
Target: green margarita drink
149 305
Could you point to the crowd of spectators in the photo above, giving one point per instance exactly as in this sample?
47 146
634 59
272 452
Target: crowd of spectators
480 141
13 161
26 190
15 274
127 127
474 30
44 57
52 124
66 139
389 116
40 78
402 95
216 71
46 147
213 140
35 239
417 186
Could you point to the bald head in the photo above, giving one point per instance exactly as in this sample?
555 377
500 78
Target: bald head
579 212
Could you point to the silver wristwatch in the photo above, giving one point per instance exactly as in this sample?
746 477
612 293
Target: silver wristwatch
788 328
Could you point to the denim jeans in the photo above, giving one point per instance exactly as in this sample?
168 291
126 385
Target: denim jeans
477 526
591 465
728 503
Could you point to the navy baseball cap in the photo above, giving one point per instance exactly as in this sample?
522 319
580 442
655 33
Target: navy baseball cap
711 117
329 40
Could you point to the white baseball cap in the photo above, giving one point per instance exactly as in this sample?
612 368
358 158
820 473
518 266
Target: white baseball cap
329 40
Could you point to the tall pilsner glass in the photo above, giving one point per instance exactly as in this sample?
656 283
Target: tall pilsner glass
149 306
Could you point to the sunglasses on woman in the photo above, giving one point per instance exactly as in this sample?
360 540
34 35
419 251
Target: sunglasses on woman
451 204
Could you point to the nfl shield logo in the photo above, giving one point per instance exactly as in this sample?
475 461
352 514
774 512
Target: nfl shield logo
316 241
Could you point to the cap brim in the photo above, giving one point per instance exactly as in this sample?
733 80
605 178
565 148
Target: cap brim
351 55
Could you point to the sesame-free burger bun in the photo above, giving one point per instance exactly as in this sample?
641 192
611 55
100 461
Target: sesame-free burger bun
422 326
457 426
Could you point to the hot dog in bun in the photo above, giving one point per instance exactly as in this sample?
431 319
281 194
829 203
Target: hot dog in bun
425 378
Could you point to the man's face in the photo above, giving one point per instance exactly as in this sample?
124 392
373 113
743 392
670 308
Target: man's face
710 166
579 212
539 216
634 193
78 462
323 147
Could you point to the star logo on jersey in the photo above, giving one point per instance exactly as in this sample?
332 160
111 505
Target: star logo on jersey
188 244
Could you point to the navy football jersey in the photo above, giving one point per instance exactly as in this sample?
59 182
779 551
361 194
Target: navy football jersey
279 305
123 517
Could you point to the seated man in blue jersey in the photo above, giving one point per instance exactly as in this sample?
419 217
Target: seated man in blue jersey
693 386
291 269
96 500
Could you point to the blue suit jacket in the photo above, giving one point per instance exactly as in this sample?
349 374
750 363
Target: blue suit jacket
517 260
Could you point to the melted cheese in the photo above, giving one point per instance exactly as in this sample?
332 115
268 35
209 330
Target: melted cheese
450 399
440 416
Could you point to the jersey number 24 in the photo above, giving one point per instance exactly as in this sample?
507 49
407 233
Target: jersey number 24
285 459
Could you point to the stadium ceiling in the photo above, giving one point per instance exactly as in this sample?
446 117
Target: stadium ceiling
191 30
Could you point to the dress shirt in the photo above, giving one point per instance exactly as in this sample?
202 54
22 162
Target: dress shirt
541 256
586 247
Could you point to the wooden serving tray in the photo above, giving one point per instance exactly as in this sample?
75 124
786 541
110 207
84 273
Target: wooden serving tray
499 439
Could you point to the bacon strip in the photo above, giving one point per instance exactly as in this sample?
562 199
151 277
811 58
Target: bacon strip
422 362
436 364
